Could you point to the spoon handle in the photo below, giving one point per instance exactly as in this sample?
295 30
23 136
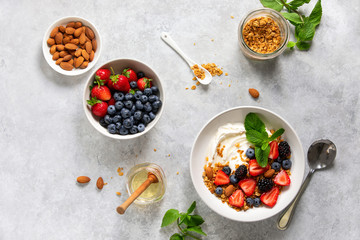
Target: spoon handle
286 216
166 38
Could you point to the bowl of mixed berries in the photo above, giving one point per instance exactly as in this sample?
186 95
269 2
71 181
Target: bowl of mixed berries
123 99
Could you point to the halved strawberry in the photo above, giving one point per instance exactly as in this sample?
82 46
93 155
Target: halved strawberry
221 178
248 185
282 178
270 198
274 150
255 169
237 199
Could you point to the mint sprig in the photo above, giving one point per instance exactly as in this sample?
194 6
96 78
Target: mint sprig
304 26
257 135
192 222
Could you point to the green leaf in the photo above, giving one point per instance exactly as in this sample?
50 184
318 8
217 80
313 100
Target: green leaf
306 31
297 3
126 73
303 46
264 146
294 18
274 4
256 137
182 217
291 44
170 216
191 208
315 15
276 134
262 156
196 229
253 122
195 220
176 236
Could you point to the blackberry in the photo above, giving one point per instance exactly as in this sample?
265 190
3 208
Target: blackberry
284 150
265 184
241 172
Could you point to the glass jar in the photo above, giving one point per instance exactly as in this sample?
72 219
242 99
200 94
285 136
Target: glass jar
284 33
138 174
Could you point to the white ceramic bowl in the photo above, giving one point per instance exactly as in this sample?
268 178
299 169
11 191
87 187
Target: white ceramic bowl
200 152
118 65
46 48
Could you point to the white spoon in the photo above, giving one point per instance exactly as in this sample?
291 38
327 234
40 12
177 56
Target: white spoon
166 38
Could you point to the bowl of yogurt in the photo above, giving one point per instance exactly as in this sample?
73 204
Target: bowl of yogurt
223 140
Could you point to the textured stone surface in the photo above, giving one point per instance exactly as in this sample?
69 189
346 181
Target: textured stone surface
46 140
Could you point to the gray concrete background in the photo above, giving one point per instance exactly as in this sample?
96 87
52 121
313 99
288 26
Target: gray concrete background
46 140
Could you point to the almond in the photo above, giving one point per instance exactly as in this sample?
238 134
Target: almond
67 58
68 67
75 41
209 173
82 38
56 56
51 41
78 52
85 54
71 46
70 24
58 38
83 179
60 47
92 55
70 30
229 190
100 183
89 33
59 61
63 53
71 62
88 47
78 32
72 52
54 32
62 29
94 44
78 24
269 173
254 93
84 64
78 61
66 40
53 49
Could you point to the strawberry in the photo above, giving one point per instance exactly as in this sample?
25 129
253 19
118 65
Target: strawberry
248 186
255 169
111 101
101 92
282 178
221 178
102 75
274 151
237 199
143 83
270 198
98 107
119 82
130 74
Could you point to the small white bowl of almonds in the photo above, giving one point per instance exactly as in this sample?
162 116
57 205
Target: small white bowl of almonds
71 45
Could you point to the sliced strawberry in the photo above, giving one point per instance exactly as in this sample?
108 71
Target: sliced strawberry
270 198
274 151
101 92
98 107
130 74
221 178
111 101
248 186
255 169
237 199
282 178
143 83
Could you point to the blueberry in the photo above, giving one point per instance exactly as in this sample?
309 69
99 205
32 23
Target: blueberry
133 109
138 94
147 91
257 202
250 202
125 113
233 179
286 164
127 123
152 98
111 110
116 118
226 170
133 130
139 105
152 115
141 127
157 104
155 110
140 75
154 89
128 104
250 153
102 122
144 98
119 96
118 125
119 105
129 96
111 128
276 166
133 84
219 190
123 131
108 119
279 160
147 107
138 115
146 119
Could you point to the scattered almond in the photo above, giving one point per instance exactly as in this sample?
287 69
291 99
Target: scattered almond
75 41
71 61
71 46
82 38
78 32
100 183
78 52
254 93
83 179
209 173
70 30
94 44
62 29
63 53
269 173
229 190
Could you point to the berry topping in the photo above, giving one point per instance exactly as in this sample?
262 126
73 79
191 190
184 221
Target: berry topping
241 172
237 199
282 179
226 170
234 179
274 153
286 164
270 198
284 150
257 202
265 184
255 169
250 202
221 178
248 186
250 153
219 190
276 166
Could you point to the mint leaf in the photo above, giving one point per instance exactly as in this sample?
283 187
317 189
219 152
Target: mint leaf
256 137
170 216
264 146
303 46
274 4
195 220
291 44
294 18
253 122
306 31
297 3
315 15
262 156
276 134
196 229
176 236
191 208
